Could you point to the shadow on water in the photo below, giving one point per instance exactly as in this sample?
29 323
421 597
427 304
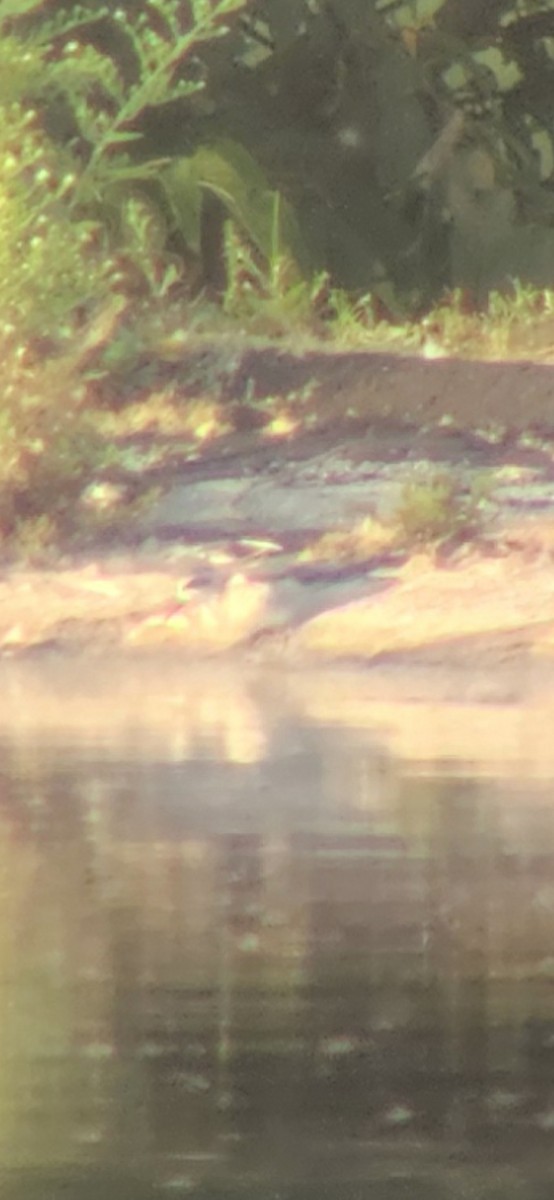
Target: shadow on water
272 937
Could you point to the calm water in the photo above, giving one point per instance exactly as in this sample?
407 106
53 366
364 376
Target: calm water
272 940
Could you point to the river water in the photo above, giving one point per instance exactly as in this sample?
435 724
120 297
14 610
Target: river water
272 938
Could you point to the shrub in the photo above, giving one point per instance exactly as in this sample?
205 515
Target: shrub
80 237
440 507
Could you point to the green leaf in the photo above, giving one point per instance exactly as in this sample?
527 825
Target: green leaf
185 200
229 171
123 136
17 8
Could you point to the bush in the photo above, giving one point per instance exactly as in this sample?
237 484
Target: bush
80 238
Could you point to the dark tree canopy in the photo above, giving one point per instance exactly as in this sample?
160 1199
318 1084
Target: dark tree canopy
409 140
414 145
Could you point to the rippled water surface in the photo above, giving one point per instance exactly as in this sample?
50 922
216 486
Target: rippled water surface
272 939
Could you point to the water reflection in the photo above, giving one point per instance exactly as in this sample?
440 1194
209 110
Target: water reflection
250 950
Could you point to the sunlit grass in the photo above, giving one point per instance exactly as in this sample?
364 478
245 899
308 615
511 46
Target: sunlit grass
164 414
366 538
518 322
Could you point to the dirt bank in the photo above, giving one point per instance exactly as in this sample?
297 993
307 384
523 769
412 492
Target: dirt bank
223 561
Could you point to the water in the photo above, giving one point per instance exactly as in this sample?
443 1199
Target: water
266 938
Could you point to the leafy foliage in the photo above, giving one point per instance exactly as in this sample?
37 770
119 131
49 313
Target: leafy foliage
413 139
49 263
440 507
359 158
80 235
410 140
228 171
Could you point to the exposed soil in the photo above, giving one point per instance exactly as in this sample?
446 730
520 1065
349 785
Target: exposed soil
362 417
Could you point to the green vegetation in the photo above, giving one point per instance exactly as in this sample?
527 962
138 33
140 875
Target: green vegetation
177 167
84 266
440 508
435 510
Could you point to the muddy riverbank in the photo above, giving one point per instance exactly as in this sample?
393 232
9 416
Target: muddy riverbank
235 554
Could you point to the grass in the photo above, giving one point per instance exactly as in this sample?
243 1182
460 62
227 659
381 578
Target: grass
434 510
514 324
356 545
440 508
